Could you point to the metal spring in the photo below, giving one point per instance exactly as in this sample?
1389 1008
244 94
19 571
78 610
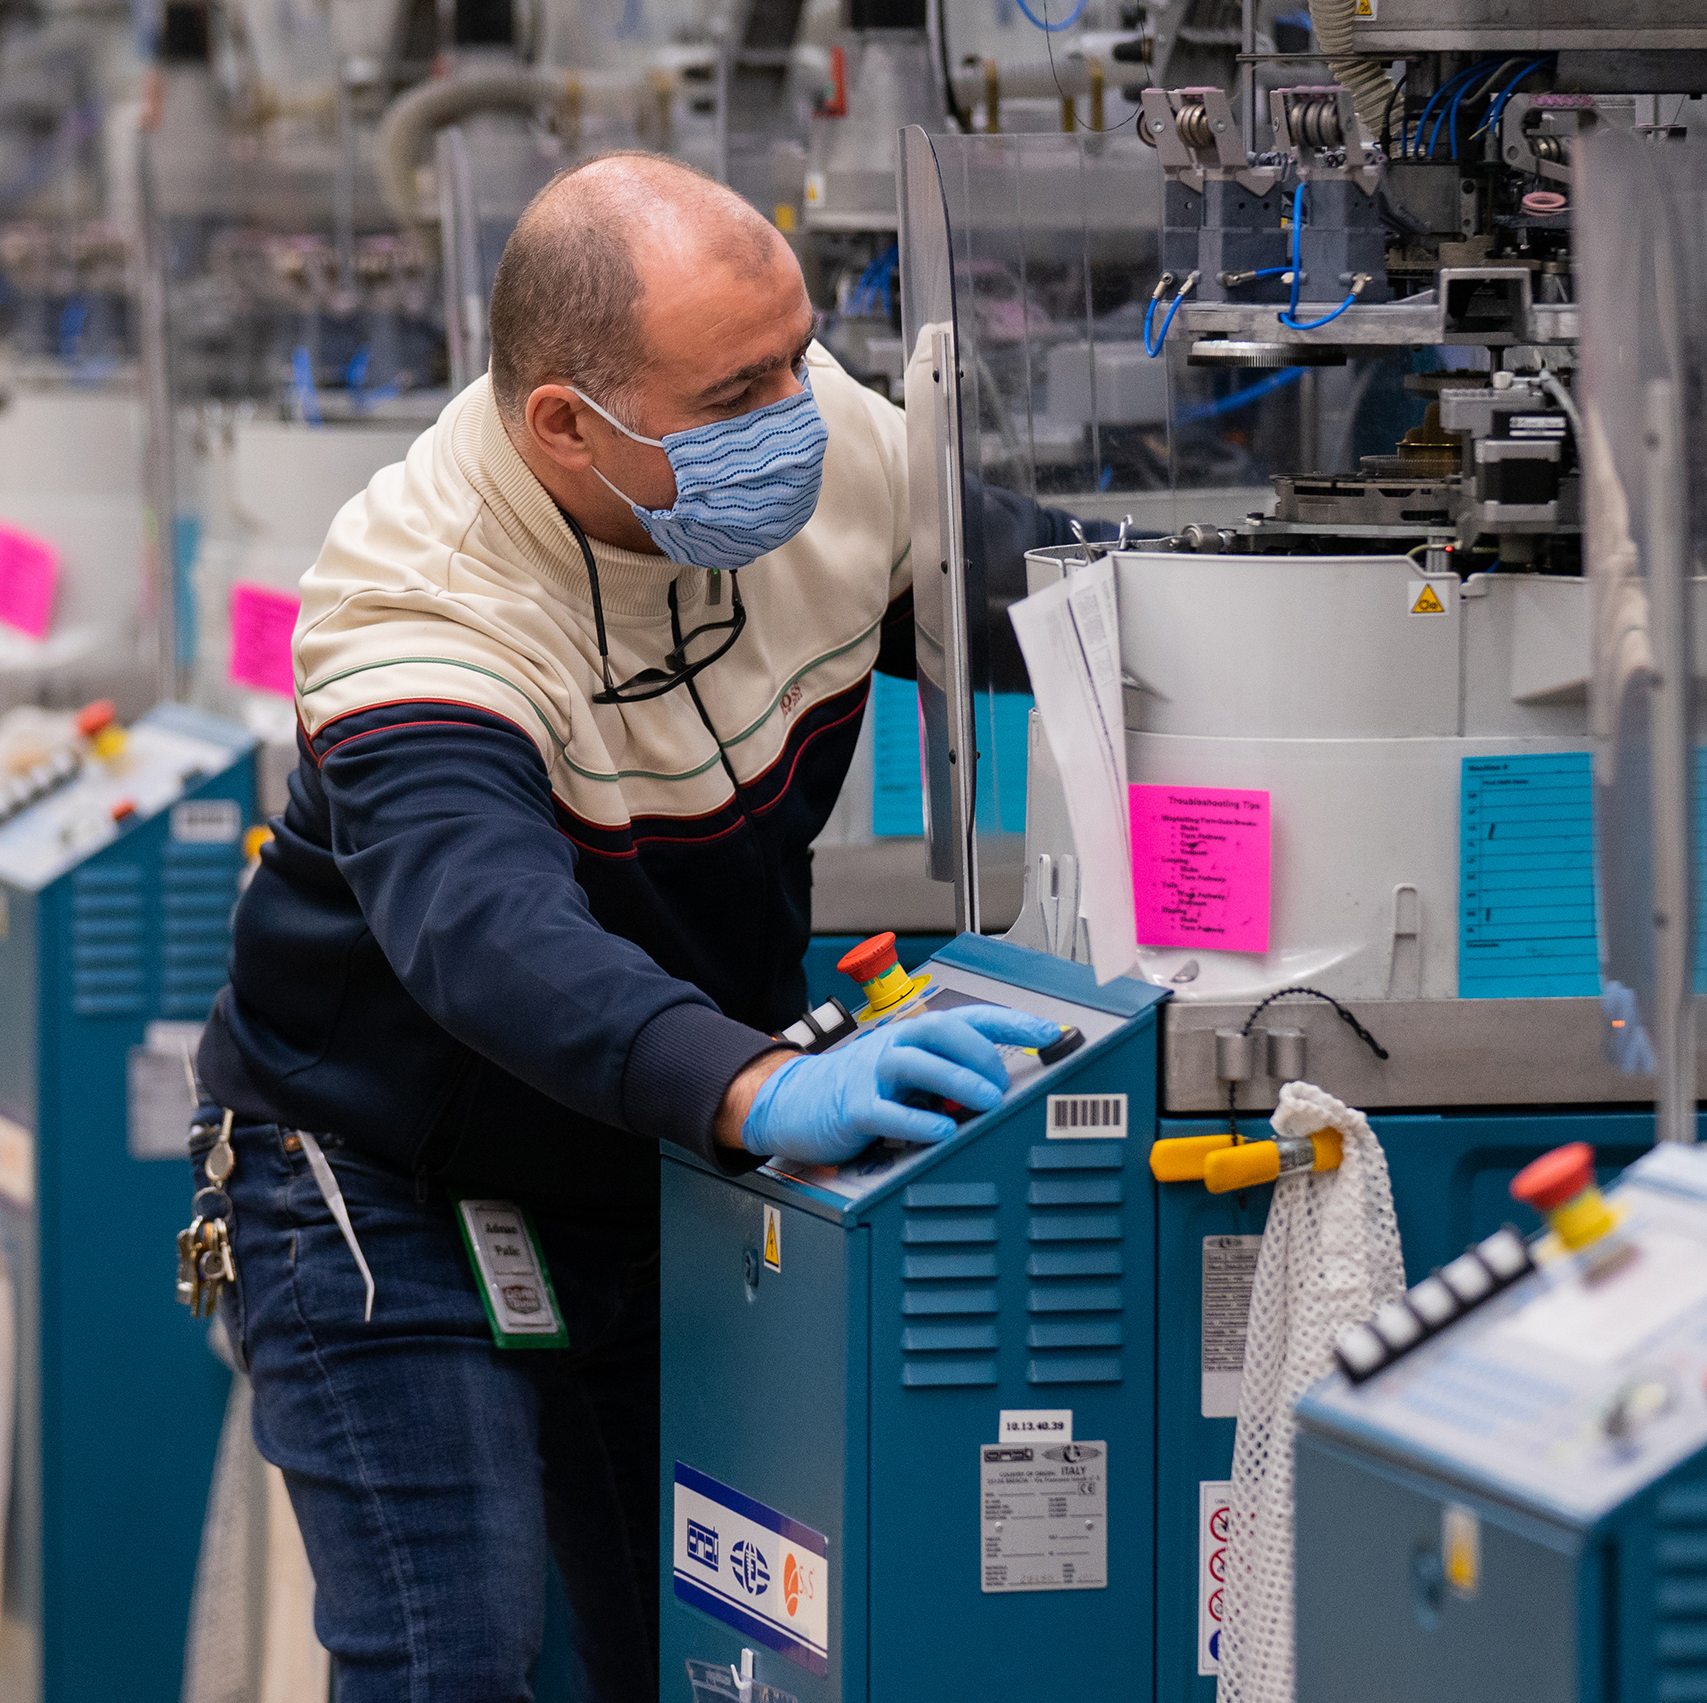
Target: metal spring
1551 148
1192 122
1316 121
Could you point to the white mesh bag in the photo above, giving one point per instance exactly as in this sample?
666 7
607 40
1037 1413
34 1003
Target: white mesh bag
1330 1257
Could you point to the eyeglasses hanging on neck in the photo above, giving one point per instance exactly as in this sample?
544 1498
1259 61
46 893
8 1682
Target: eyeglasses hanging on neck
677 670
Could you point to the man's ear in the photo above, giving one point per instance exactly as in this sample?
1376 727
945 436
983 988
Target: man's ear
556 420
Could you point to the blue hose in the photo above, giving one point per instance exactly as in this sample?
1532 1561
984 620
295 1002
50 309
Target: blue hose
1290 317
1294 324
1297 250
1048 28
1456 84
1153 343
1238 399
302 383
1497 106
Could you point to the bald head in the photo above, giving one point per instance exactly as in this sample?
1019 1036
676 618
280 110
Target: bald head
596 256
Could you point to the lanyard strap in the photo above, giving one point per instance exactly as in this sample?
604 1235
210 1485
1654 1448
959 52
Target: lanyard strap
334 1198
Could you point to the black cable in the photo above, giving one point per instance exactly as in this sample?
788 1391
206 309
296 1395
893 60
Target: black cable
1055 77
692 684
1387 120
962 118
1345 1015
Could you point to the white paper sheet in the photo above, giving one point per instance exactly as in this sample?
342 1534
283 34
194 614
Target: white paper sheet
1069 636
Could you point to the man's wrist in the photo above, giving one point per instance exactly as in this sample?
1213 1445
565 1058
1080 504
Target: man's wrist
738 1098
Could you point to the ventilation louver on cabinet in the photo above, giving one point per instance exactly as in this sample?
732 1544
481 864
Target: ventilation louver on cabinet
948 1286
108 967
1680 1594
1075 1322
198 889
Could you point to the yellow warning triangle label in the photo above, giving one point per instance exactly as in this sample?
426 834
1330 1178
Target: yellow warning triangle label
1428 603
773 1238
1365 9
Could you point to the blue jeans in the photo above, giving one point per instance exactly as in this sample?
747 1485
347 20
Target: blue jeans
432 1473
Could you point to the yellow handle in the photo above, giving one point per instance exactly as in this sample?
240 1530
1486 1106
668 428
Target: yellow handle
1258 1162
1181 1158
1244 1167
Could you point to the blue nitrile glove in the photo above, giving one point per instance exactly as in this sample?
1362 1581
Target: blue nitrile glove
823 1110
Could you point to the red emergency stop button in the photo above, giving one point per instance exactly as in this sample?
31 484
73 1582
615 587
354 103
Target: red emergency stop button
867 961
1560 1186
93 718
1555 1178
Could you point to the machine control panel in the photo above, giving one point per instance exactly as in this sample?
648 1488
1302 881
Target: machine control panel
1441 1299
64 793
894 996
1579 1382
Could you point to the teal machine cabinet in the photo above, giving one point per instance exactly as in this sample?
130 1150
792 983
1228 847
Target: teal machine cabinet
1511 1507
838 1408
907 1413
118 871
1451 1173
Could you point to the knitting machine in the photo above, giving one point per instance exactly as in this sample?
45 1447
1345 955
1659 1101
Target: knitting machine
1333 379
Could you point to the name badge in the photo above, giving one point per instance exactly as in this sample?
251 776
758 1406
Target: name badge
515 1283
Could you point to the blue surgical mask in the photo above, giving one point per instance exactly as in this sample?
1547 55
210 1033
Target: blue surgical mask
744 486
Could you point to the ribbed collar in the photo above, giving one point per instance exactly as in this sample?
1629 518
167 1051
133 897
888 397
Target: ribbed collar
632 586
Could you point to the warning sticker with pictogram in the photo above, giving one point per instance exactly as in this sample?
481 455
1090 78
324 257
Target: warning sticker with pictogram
1214 1513
1365 10
773 1238
1425 600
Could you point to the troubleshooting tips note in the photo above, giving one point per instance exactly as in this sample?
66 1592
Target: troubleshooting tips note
1200 867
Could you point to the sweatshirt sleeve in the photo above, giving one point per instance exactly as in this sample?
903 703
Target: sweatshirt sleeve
443 825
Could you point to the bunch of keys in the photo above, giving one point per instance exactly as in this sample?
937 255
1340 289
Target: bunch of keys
205 1264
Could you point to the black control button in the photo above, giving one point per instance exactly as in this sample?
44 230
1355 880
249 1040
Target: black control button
1069 1043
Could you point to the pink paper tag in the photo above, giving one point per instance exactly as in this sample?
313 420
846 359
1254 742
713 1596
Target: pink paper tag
1200 867
29 576
262 621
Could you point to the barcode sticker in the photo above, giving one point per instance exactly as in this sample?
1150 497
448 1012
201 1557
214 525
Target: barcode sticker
1098 1116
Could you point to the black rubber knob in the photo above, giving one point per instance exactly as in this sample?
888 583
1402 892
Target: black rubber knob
1069 1043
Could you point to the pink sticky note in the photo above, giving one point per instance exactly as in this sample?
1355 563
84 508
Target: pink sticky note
29 576
1200 867
262 621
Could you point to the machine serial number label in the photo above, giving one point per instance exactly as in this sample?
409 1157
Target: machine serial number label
1229 1273
1100 1117
1044 1523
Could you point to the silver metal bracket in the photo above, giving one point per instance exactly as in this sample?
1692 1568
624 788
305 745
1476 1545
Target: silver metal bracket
1197 136
1320 128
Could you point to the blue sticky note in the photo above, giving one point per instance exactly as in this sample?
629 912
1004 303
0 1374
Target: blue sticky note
1526 906
897 794
1000 722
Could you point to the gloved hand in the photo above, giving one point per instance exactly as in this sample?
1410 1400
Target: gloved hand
824 1109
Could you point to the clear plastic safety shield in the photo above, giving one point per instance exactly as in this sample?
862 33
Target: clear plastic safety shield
1048 383
1641 219
1006 241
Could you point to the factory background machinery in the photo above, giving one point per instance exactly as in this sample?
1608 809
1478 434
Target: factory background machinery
1534 1451
245 251
120 854
1295 294
1321 341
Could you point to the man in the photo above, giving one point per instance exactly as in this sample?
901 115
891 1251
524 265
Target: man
578 684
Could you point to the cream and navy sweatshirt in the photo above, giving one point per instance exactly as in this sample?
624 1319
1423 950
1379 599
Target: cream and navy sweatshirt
507 937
